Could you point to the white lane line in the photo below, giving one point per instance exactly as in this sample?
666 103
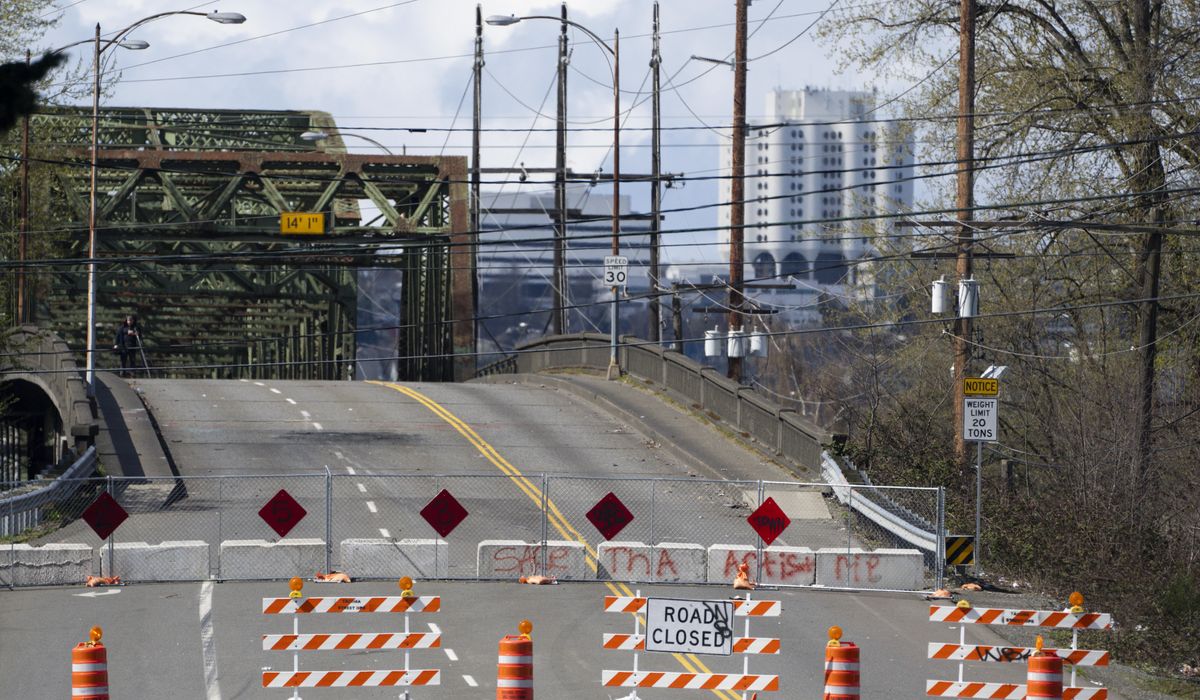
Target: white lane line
338 454
244 380
305 414
208 644
350 471
450 653
317 425
434 628
383 532
275 391
470 681
361 488
291 401
259 384
371 507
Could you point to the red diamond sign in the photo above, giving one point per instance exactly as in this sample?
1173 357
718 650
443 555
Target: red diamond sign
769 521
105 515
444 513
282 513
610 516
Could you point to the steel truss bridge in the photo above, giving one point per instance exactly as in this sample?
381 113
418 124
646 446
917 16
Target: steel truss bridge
188 212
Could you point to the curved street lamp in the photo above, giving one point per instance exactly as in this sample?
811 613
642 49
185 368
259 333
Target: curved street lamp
102 45
614 369
322 135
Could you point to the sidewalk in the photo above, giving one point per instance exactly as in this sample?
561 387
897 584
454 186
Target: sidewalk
126 444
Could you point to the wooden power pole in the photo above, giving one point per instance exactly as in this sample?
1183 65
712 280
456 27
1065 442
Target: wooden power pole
737 183
655 185
558 324
965 206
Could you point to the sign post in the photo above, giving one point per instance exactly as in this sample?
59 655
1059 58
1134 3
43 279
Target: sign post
616 275
980 424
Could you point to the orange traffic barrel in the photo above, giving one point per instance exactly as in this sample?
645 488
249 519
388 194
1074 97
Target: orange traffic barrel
841 668
514 672
1045 676
89 672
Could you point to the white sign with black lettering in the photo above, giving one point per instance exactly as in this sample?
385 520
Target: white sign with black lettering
980 420
616 270
689 626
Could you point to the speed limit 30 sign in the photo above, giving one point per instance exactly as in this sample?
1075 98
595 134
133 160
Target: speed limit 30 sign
616 270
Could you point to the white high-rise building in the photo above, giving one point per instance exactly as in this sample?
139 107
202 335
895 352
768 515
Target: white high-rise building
817 171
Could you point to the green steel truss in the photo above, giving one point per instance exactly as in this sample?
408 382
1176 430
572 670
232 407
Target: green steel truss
189 206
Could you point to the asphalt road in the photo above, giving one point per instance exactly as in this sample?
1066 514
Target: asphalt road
389 449
154 638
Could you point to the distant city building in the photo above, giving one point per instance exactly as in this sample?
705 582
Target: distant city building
817 172
515 259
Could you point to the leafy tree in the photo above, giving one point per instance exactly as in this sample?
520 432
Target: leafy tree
1087 110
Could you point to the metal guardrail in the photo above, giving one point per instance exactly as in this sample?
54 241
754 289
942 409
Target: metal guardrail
23 511
856 498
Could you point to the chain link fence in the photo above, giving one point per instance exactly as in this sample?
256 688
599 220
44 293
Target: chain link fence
684 530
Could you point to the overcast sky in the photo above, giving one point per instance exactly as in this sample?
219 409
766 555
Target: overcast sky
375 65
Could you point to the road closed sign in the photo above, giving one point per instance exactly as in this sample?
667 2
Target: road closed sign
689 626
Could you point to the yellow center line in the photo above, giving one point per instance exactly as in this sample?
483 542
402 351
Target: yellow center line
553 514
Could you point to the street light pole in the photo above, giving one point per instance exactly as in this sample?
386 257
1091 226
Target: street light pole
614 368
91 277
116 40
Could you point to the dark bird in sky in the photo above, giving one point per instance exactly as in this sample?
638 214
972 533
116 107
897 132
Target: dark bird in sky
17 80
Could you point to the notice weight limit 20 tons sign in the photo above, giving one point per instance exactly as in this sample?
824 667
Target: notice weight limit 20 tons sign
689 626
980 415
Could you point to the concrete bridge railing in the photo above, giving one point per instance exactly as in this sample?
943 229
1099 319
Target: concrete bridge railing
40 357
781 430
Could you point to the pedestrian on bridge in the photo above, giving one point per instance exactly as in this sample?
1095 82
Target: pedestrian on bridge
128 344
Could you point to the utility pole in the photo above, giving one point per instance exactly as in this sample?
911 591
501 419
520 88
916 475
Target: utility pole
966 205
558 324
476 146
23 226
737 184
655 183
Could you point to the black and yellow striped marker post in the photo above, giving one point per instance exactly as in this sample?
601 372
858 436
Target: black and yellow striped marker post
960 550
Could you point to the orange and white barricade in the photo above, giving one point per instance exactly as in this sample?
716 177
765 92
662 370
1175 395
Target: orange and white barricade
514 665
297 605
745 645
842 679
1074 618
89 668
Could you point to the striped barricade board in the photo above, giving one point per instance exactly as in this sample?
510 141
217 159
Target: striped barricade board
351 679
1002 691
1023 618
993 654
689 681
370 604
405 640
741 608
741 645
350 641
1052 619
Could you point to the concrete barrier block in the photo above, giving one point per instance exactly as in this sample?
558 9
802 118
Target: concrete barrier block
897 569
260 559
391 559
637 561
169 561
513 558
782 566
54 564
